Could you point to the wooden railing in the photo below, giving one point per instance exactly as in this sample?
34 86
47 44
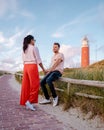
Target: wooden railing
69 81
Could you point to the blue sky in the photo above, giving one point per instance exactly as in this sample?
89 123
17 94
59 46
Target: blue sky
63 21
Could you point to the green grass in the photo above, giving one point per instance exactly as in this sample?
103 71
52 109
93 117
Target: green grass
86 74
18 77
1 74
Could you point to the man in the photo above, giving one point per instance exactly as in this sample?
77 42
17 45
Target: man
52 74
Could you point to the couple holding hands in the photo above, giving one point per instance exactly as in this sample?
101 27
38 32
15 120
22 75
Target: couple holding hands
30 80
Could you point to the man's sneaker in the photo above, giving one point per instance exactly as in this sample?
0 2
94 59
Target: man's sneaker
29 106
45 101
55 101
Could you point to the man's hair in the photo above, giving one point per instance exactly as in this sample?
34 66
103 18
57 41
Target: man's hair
57 44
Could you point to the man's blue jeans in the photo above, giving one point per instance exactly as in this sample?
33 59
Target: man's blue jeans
48 79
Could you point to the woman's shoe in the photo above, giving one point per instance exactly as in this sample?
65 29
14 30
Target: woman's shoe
29 106
33 105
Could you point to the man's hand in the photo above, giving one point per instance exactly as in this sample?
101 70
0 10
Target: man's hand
48 71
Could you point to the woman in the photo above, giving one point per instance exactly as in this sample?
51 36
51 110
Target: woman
30 81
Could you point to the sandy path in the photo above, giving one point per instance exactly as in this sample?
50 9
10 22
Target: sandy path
71 119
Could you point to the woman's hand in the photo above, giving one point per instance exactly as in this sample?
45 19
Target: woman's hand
45 72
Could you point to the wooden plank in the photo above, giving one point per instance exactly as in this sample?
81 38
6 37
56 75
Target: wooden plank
89 96
68 86
80 82
58 89
83 82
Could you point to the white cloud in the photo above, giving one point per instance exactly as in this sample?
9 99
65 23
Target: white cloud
57 35
6 6
13 39
11 64
11 50
8 60
12 67
70 53
3 7
101 14
12 10
89 15
9 42
29 32
27 14
2 38
68 24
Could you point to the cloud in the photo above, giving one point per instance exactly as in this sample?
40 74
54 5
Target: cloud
69 27
9 42
101 14
2 38
27 14
11 64
68 24
11 49
13 39
8 60
6 6
12 67
57 35
11 9
70 53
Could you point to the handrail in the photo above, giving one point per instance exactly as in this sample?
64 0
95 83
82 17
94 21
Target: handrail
70 81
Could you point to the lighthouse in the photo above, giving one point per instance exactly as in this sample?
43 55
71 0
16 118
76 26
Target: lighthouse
85 52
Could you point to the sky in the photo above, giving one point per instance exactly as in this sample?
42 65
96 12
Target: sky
49 21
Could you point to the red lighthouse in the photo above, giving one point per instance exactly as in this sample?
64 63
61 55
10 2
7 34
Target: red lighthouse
85 52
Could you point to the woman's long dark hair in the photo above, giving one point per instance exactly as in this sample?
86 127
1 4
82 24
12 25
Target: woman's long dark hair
27 41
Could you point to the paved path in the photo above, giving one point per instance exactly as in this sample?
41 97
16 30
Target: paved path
15 117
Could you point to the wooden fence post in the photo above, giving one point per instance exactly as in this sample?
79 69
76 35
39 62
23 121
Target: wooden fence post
68 86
